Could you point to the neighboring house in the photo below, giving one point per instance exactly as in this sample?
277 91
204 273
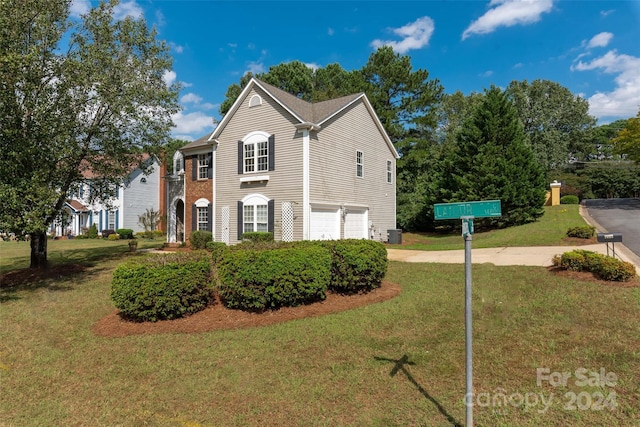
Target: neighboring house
139 193
304 171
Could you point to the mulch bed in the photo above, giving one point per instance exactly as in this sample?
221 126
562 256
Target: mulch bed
587 276
217 317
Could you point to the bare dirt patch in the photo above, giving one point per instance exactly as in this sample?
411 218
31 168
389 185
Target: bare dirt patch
216 316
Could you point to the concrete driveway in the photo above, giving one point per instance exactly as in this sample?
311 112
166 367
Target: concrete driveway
616 216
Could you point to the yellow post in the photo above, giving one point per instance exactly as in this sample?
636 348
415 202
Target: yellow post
555 193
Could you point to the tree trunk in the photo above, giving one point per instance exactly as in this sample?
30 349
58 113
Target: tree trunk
38 250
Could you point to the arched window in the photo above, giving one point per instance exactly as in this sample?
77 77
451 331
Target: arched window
178 163
256 153
255 101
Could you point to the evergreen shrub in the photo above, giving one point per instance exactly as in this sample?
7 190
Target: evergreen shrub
583 232
260 279
569 200
607 268
125 233
160 287
93 231
217 249
199 239
113 236
257 236
356 265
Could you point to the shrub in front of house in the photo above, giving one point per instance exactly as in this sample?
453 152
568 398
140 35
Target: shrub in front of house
93 231
199 239
106 233
113 236
125 233
605 267
217 249
356 265
569 199
261 279
584 232
160 287
257 236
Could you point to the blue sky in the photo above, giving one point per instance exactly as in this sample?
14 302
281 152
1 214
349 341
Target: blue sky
590 47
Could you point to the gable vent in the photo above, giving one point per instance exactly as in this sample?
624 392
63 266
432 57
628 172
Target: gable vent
255 101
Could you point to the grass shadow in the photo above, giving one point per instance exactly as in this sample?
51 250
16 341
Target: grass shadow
399 366
28 279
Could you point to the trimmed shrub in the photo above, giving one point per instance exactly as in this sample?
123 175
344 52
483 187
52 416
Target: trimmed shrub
160 287
356 265
107 233
257 280
199 239
605 267
257 236
584 232
217 249
569 199
93 231
114 236
125 233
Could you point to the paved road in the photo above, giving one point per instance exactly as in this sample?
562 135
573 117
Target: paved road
618 216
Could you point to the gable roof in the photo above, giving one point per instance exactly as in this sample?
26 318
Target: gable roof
201 142
312 114
76 206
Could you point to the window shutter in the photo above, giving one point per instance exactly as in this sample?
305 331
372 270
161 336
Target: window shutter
209 217
240 157
116 219
106 219
272 152
210 167
240 220
270 215
194 217
194 167
100 221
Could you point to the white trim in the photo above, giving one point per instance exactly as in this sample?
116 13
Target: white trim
214 184
202 203
249 198
360 163
254 138
306 214
255 178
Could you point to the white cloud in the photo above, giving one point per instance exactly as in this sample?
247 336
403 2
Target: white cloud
312 65
330 31
190 98
169 77
415 36
192 123
176 47
255 67
623 100
487 73
600 40
518 65
605 13
79 7
128 8
507 13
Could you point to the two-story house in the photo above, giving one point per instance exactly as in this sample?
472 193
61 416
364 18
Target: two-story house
138 193
304 171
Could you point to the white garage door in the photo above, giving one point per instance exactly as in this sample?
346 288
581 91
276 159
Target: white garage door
355 224
325 224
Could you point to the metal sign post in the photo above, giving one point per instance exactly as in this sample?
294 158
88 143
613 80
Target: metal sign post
467 211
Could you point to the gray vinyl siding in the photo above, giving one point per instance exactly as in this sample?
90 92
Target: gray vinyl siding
333 167
138 197
285 182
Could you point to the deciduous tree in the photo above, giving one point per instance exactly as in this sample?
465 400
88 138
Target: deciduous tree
627 142
76 96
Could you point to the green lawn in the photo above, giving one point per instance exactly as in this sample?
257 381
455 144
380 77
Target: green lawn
549 230
396 363
16 255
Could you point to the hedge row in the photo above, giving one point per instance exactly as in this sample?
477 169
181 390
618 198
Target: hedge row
569 199
256 280
255 276
160 287
607 268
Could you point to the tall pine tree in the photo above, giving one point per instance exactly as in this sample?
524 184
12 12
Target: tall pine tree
491 160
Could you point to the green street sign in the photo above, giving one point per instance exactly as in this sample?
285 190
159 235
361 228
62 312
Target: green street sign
481 209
